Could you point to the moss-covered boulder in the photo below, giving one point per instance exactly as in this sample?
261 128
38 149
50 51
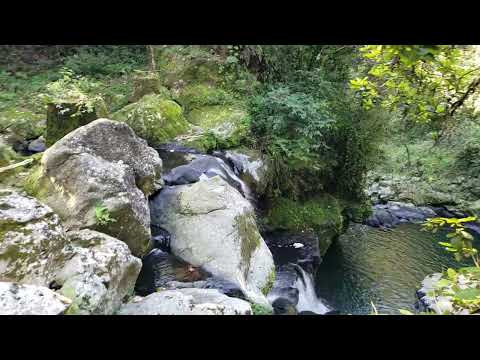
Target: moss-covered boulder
23 123
33 244
195 96
213 227
179 65
99 177
154 118
65 117
219 127
148 83
323 215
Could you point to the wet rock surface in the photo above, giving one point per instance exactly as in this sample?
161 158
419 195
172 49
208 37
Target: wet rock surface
213 227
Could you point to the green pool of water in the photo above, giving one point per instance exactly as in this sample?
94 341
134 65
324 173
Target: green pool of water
384 267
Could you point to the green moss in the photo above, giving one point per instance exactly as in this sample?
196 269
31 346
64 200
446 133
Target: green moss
31 184
188 64
209 117
7 155
154 118
148 83
259 309
270 282
291 215
323 215
250 238
199 95
66 117
24 123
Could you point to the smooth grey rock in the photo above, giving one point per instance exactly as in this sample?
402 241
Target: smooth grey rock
100 275
22 299
205 166
187 302
105 163
37 145
250 167
33 244
213 227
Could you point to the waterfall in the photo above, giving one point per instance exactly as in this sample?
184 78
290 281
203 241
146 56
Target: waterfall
307 297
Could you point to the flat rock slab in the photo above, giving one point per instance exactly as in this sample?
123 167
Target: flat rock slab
187 302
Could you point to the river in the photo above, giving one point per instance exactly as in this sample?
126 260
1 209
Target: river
384 267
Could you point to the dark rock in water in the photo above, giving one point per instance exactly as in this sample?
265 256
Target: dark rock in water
393 213
174 155
307 313
284 285
207 165
159 268
182 175
290 250
299 248
225 287
333 312
161 238
283 306
37 145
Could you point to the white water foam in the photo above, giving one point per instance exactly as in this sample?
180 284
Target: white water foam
307 297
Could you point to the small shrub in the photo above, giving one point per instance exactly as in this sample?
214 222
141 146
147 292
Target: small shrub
259 309
102 215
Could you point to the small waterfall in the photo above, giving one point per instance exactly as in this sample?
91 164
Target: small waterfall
307 297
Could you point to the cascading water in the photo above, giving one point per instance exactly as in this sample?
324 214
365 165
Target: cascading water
307 297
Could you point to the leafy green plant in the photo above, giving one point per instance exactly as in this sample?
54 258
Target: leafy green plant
460 240
72 88
461 286
259 309
102 215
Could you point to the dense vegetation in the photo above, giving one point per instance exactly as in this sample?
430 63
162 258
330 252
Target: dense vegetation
325 116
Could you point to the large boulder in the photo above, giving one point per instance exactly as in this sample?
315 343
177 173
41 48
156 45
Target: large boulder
100 275
187 302
33 244
213 227
154 118
99 177
21 299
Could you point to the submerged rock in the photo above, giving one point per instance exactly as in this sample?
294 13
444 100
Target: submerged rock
101 165
160 268
22 299
213 227
187 302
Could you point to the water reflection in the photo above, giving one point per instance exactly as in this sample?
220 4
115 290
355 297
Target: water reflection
385 267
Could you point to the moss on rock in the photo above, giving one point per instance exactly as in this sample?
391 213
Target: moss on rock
154 118
321 214
270 282
66 117
196 96
24 123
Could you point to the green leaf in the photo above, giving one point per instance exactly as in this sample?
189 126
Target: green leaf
405 312
468 294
